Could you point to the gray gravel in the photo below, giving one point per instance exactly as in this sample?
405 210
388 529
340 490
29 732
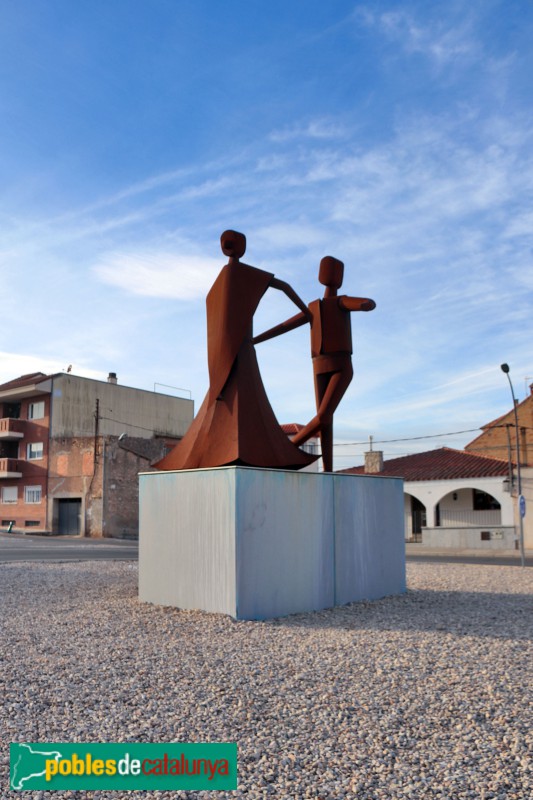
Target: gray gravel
419 696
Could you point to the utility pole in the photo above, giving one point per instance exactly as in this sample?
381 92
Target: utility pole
96 427
520 500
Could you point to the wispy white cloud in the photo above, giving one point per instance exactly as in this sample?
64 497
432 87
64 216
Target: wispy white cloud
14 364
170 275
314 129
441 41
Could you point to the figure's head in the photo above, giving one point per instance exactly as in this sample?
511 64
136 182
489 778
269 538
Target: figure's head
331 272
233 244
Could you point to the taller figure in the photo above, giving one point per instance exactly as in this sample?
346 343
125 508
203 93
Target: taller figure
236 423
331 351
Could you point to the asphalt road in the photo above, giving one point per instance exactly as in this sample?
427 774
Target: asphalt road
21 547
459 558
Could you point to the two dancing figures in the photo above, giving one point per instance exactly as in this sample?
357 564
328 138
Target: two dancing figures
236 424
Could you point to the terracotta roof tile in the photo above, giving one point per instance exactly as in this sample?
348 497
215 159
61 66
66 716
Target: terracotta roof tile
440 464
24 380
291 428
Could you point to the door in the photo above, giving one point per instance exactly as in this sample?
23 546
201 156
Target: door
69 517
418 516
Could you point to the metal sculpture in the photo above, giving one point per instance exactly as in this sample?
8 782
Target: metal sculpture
235 423
331 351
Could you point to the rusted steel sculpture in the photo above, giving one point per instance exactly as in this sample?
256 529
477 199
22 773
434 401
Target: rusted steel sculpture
331 350
236 424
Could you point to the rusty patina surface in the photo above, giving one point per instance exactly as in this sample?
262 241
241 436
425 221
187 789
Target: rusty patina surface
236 423
331 352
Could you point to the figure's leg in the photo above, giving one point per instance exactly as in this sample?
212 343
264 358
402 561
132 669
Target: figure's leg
326 443
329 390
336 388
313 427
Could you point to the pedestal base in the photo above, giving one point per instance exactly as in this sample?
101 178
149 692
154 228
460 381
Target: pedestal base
258 543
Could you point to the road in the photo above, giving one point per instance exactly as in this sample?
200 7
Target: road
21 547
504 559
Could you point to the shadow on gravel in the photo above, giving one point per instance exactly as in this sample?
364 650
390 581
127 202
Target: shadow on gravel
503 616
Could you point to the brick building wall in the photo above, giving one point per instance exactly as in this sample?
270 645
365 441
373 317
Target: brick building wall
104 483
67 458
27 509
122 462
75 477
498 435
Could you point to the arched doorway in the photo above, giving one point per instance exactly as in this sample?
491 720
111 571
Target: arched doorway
467 507
415 518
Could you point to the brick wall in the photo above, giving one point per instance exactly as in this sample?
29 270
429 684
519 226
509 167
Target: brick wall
122 463
494 439
75 474
27 516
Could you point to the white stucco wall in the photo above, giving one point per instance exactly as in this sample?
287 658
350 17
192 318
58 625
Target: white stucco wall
469 538
431 493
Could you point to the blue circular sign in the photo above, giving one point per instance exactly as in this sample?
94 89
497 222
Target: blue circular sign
522 505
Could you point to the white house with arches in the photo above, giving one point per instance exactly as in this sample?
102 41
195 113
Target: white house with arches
452 498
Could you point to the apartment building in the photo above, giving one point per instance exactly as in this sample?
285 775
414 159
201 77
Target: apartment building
71 449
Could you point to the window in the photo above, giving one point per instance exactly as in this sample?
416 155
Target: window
32 494
11 410
9 494
32 523
36 410
9 449
484 502
34 451
7 522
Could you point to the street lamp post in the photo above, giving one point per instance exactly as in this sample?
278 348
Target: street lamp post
505 368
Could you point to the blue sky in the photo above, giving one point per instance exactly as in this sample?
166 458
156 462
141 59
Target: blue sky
394 136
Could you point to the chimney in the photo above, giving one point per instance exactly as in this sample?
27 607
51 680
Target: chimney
112 377
373 460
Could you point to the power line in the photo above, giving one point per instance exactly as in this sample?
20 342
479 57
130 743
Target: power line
407 439
130 425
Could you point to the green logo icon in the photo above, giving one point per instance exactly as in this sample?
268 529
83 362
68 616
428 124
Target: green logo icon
125 766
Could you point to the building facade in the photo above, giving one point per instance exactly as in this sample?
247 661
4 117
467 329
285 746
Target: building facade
498 439
452 498
71 449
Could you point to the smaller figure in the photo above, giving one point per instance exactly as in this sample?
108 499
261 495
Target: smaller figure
331 351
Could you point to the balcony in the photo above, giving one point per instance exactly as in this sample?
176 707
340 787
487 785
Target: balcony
11 429
10 468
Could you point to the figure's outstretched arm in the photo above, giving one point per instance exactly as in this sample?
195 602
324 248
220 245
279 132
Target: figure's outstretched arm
289 324
291 294
283 327
356 303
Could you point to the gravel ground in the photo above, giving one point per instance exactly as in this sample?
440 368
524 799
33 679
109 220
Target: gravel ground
419 696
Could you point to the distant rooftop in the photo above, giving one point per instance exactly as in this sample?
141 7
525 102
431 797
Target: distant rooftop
291 428
440 464
24 380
